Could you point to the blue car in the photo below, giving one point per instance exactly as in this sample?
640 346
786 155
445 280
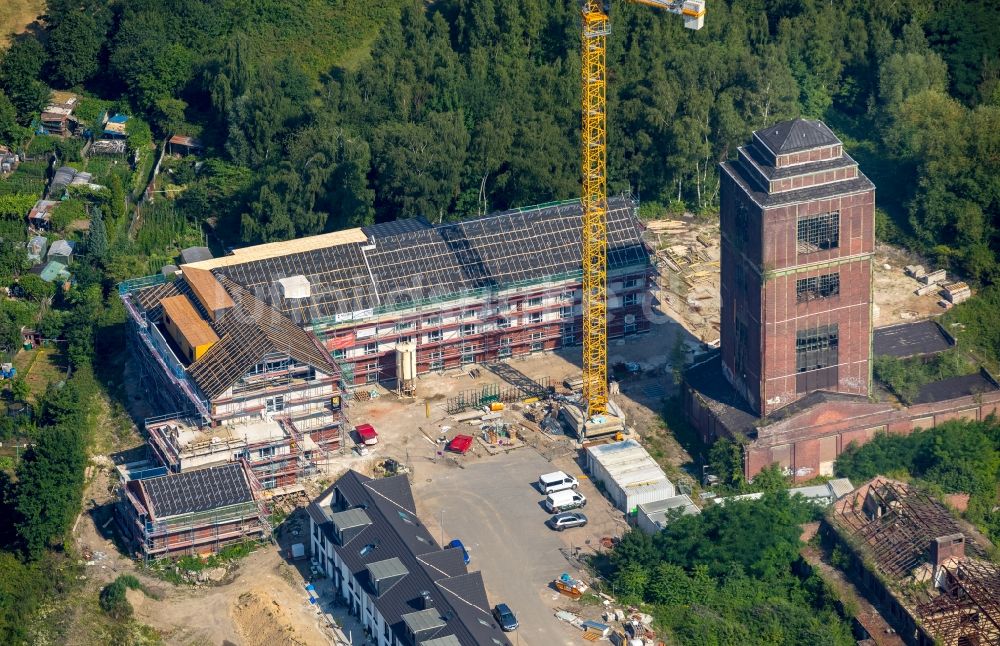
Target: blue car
457 544
505 617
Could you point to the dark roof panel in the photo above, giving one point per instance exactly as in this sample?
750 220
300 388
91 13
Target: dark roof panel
412 261
795 135
910 340
197 491
955 387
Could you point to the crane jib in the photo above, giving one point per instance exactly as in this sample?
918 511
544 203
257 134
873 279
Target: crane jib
594 199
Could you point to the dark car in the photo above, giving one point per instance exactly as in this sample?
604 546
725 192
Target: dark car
457 544
505 617
560 522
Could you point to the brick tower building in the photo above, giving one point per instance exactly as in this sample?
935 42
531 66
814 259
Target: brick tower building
798 234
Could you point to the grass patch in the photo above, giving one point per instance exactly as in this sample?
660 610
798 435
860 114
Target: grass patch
15 16
40 367
174 571
907 376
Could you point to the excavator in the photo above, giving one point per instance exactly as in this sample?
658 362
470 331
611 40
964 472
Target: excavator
596 28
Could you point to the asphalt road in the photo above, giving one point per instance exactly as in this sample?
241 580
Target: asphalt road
493 507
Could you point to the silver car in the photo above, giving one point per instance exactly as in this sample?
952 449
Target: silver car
559 522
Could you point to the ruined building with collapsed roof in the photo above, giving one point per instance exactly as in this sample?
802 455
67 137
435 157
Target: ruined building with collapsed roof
926 573
793 379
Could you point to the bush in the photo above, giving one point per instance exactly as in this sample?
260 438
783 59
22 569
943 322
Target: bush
114 602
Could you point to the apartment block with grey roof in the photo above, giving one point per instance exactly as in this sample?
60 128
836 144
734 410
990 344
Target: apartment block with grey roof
394 577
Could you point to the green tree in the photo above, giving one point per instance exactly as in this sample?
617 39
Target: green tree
74 42
49 486
10 132
20 68
20 390
97 239
34 288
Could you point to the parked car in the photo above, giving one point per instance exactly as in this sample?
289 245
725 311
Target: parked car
457 544
564 501
559 522
505 617
556 481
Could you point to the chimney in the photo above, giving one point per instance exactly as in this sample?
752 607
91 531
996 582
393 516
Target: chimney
424 602
947 547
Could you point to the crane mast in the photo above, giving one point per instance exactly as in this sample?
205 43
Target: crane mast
596 27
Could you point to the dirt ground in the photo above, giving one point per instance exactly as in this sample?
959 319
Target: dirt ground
261 602
686 253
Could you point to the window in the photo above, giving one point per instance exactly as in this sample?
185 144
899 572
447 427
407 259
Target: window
503 323
371 348
370 367
504 351
807 289
269 483
742 349
468 330
630 283
537 336
434 336
566 296
338 353
535 317
537 346
629 300
819 232
741 226
266 452
371 378
741 279
534 302
629 328
566 312
504 341
405 339
816 348
402 326
436 360
469 314
432 320
468 358
275 404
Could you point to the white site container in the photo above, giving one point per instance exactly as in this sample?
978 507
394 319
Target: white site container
629 475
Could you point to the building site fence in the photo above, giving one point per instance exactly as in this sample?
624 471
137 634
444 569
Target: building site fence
492 393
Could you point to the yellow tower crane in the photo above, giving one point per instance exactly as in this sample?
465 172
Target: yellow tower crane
596 27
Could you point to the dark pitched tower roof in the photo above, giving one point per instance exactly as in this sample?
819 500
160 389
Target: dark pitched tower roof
795 135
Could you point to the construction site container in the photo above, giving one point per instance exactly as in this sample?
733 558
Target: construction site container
629 475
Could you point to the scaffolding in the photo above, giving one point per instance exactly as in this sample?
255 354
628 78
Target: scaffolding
195 532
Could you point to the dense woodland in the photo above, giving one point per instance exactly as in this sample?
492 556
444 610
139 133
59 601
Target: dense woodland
731 575
324 114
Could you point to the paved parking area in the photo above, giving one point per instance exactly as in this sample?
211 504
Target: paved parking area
492 505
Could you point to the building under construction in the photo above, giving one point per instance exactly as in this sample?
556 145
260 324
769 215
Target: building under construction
925 573
196 512
279 329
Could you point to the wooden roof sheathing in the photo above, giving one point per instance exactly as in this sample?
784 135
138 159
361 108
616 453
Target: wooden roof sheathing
208 289
190 324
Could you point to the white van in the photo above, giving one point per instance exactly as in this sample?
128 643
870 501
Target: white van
564 501
556 481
